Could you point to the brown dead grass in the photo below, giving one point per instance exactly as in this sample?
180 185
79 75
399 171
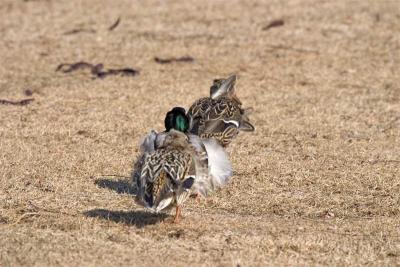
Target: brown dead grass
316 184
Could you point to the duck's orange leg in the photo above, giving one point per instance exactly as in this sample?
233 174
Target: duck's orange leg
177 218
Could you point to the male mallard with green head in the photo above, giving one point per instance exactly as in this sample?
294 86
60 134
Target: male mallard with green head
174 164
221 115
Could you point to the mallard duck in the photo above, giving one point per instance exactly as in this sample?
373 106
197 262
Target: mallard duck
173 165
221 115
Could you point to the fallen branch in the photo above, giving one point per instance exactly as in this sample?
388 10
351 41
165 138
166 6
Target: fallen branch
115 24
273 24
172 59
122 72
96 70
75 31
81 65
22 102
289 48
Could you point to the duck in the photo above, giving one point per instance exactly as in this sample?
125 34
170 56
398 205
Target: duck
220 116
174 164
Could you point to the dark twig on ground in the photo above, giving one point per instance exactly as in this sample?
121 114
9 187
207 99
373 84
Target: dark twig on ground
274 23
96 70
289 48
122 72
114 25
172 59
22 102
75 31
81 65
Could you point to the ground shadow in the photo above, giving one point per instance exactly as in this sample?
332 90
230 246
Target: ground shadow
137 218
120 186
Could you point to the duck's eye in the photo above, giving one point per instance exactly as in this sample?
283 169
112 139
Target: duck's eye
217 81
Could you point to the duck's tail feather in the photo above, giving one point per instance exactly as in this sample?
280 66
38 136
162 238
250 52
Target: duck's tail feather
223 87
246 126
220 168
213 167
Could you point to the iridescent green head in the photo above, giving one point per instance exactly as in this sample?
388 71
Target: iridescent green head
176 119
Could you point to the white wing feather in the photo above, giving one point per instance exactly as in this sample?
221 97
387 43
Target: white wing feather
220 168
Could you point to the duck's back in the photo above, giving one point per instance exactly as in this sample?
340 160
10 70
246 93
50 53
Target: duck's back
161 176
175 162
216 118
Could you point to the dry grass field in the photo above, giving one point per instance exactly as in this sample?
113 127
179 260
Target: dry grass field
317 184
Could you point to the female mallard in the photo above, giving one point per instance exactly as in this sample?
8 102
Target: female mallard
174 165
221 115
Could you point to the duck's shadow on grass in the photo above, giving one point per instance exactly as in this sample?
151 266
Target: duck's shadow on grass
121 186
136 218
